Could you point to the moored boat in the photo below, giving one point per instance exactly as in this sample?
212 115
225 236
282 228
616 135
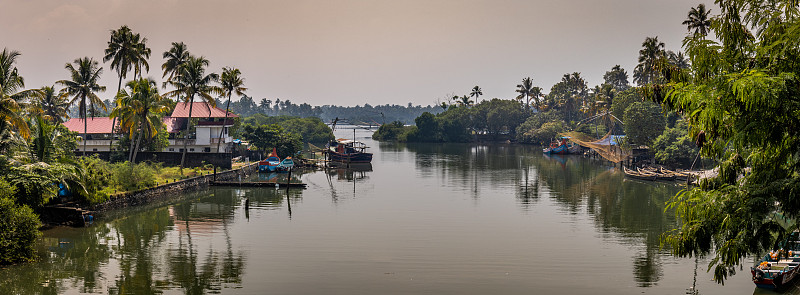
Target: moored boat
270 164
562 147
638 175
348 151
285 165
778 268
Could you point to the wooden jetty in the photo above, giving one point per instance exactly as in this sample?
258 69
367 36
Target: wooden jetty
257 184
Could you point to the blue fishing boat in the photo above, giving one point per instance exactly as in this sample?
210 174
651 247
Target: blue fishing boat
779 267
562 147
271 163
285 165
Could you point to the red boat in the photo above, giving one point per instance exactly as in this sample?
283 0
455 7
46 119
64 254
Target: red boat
778 268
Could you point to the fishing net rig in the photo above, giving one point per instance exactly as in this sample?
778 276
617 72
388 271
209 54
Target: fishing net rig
609 146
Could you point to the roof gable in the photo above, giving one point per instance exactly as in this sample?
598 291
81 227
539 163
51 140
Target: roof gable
199 110
96 125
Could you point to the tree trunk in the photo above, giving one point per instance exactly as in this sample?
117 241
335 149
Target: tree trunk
114 121
85 127
138 140
188 127
219 141
130 149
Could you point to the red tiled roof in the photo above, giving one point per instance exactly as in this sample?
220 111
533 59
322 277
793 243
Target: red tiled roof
93 125
199 110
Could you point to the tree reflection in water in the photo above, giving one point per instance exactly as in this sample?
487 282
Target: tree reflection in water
633 211
152 248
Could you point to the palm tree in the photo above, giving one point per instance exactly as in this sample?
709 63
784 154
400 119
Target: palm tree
476 92
652 51
50 104
230 82
191 80
525 91
11 85
176 57
145 106
82 86
464 100
126 50
697 20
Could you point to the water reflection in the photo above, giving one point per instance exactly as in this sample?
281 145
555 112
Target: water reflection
148 251
624 211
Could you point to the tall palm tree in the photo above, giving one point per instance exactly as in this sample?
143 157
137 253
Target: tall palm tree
82 86
176 57
50 104
146 107
464 100
650 54
190 81
11 93
476 92
525 91
230 82
126 51
697 20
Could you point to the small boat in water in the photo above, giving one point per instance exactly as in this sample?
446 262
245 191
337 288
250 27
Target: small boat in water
271 163
285 165
348 151
562 147
778 268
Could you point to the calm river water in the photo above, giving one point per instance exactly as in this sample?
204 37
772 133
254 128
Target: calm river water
423 219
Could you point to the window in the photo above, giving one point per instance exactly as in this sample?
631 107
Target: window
181 150
207 149
94 150
191 149
171 149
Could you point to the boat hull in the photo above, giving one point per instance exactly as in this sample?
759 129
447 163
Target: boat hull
350 158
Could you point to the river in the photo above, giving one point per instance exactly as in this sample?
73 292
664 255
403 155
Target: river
423 219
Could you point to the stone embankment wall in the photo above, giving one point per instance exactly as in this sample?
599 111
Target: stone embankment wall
170 190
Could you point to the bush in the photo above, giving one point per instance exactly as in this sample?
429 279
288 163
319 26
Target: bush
390 132
18 228
97 180
134 177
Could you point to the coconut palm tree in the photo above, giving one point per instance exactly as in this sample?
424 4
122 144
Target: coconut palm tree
82 86
126 51
525 91
176 56
476 92
650 54
145 107
230 82
11 93
697 20
50 104
189 81
465 101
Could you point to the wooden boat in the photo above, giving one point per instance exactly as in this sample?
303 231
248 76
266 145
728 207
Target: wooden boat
638 175
348 151
285 165
562 147
679 175
271 163
778 268
657 175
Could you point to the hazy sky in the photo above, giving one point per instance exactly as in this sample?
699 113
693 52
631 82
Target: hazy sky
349 52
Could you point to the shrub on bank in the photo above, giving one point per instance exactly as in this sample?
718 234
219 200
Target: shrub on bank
18 228
129 177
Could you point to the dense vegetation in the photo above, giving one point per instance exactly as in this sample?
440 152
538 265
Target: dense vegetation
366 114
741 97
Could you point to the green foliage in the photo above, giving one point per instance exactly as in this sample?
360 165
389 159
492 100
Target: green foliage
266 137
741 96
391 131
98 180
643 123
310 129
427 129
129 177
18 228
544 134
674 147
623 100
